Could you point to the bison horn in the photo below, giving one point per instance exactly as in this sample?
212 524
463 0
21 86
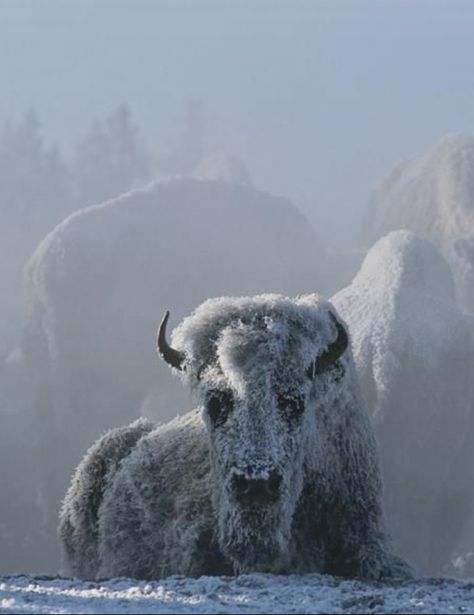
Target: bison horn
170 355
333 352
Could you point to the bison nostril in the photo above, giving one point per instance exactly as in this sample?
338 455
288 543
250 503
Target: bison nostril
274 482
240 485
253 490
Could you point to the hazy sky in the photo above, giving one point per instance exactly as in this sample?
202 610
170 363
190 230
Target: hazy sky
320 99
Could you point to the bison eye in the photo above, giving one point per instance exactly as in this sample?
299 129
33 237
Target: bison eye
219 404
339 371
291 406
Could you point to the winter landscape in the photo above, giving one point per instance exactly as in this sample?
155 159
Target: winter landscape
236 307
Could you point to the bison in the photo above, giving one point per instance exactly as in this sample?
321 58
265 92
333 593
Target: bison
275 471
414 357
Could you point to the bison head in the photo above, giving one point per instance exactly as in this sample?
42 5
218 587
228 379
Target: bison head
268 370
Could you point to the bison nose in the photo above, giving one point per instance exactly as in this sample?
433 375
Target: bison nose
256 490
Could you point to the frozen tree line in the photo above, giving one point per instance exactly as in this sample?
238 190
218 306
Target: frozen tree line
40 186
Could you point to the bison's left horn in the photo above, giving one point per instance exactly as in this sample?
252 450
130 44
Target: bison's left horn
333 352
170 355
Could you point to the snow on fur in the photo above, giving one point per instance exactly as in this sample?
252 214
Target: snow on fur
175 505
413 354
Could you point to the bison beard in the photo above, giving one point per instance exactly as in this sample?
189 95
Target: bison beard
253 539
275 472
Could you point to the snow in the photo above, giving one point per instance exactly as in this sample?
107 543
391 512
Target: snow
253 593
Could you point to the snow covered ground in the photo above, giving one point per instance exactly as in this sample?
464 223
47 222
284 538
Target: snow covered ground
255 593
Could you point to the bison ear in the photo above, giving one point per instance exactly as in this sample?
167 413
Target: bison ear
173 357
332 353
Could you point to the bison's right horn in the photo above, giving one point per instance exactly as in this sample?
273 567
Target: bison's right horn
170 355
333 352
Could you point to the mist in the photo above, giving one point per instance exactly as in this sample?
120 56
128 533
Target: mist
156 154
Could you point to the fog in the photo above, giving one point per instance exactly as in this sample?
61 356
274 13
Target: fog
155 154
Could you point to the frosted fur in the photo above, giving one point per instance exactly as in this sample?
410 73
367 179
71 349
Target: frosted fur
170 509
386 304
413 353
78 518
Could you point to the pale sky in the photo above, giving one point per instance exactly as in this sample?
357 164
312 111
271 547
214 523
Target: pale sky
320 99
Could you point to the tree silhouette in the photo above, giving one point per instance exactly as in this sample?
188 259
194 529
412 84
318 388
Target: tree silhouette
110 160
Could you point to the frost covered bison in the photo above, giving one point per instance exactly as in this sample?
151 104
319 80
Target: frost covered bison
414 357
276 471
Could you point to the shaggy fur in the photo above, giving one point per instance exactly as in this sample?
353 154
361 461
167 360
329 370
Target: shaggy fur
414 357
171 506
90 479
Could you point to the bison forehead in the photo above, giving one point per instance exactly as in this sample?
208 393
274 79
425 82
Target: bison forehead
242 332
243 346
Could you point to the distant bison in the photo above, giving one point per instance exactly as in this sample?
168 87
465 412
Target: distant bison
96 281
432 195
276 471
